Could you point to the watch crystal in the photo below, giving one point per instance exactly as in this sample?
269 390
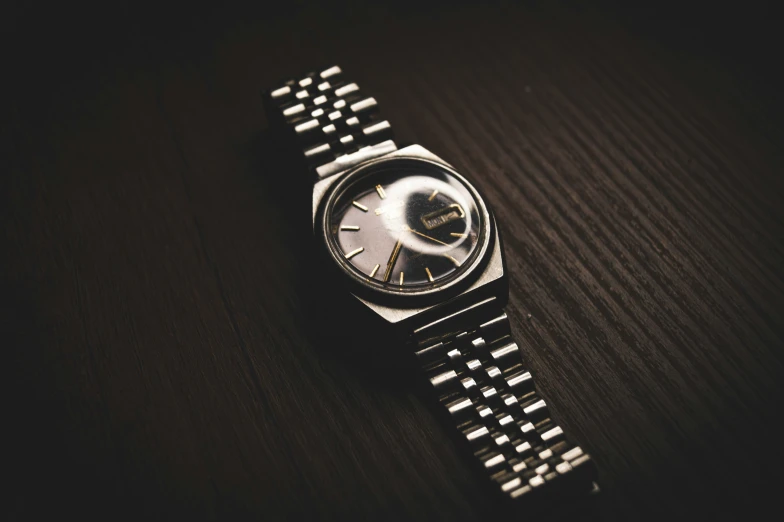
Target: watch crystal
406 227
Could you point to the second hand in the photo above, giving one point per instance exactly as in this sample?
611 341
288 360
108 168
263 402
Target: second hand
409 229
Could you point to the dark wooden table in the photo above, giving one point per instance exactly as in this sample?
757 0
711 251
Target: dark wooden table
158 362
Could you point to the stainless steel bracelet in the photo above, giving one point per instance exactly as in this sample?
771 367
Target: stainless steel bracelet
334 124
469 358
478 376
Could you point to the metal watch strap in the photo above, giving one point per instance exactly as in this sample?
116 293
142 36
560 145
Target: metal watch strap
468 356
335 126
478 376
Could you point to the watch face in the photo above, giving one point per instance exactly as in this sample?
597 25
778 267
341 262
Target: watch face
405 226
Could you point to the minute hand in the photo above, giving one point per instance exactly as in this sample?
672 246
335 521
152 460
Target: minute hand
393 260
409 229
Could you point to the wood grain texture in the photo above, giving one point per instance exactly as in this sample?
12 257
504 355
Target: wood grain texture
161 360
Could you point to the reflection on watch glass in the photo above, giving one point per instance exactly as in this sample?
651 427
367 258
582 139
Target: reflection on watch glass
406 228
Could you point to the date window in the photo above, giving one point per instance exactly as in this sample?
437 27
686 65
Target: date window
442 216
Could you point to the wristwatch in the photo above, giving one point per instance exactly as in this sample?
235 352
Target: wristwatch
417 248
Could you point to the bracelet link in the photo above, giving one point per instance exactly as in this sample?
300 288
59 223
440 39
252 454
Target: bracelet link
478 376
335 125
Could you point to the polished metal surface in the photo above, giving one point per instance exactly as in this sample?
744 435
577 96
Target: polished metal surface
335 125
477 374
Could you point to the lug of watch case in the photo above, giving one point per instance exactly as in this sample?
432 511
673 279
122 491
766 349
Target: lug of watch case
491 283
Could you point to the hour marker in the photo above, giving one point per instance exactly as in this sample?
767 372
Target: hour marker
349 227
401 278
457 234
375 269
429 275
360 206
452 259
381 192
354 252
433 195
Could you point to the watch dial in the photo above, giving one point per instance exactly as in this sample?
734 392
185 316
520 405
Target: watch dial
406 226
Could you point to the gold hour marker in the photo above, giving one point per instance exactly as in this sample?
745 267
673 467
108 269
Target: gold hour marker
349 227
452 259
381 192
360 206
433 195
375 269
457 234
429 275
401 278
354 252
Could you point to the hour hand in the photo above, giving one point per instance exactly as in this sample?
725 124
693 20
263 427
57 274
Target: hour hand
393 259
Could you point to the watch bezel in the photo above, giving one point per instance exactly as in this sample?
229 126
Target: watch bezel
371 289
